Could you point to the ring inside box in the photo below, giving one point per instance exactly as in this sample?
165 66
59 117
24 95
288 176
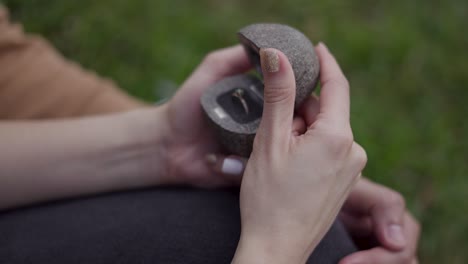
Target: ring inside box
242 105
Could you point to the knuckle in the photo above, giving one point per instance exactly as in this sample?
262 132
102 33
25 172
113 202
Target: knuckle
360 156
210 57
340 142
214 60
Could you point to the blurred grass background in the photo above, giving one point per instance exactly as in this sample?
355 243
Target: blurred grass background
407 63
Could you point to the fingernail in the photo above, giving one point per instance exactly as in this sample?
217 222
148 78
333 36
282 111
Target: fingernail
269 60
211 158
395 233
232 166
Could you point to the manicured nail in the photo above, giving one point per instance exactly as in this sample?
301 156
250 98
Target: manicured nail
232 166
270 60
395 233
211 158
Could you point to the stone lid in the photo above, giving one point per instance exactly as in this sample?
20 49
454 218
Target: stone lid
295 45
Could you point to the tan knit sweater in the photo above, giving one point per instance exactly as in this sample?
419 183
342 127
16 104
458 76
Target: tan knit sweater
37 82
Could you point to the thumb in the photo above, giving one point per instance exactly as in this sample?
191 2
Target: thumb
279 94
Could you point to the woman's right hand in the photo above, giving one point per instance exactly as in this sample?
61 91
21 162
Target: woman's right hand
301 170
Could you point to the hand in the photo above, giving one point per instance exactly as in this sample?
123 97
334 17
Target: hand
300 172
189 139
377 219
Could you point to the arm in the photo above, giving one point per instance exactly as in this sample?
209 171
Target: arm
46 160
43 160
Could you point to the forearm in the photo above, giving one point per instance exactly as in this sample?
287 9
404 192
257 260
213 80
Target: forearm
46 160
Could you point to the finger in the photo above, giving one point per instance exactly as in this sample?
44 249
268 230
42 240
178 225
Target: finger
412 230
279 95
298 126
375 255
226 62
356 226
231 167
310 109
334 95
381 255
218 65
386 209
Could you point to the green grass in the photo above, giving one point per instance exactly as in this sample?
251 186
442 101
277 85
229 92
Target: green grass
407 62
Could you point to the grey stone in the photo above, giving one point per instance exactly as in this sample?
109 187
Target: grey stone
236 118
295 45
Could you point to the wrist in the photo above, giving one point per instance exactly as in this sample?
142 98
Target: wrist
147 134
271 249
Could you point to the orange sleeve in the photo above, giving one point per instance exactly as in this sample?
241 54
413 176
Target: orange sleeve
37 82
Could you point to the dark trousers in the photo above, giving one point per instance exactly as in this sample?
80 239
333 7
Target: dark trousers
161 225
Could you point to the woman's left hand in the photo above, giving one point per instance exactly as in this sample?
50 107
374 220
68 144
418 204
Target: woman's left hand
191 146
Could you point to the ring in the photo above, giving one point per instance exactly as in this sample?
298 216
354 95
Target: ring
239 94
